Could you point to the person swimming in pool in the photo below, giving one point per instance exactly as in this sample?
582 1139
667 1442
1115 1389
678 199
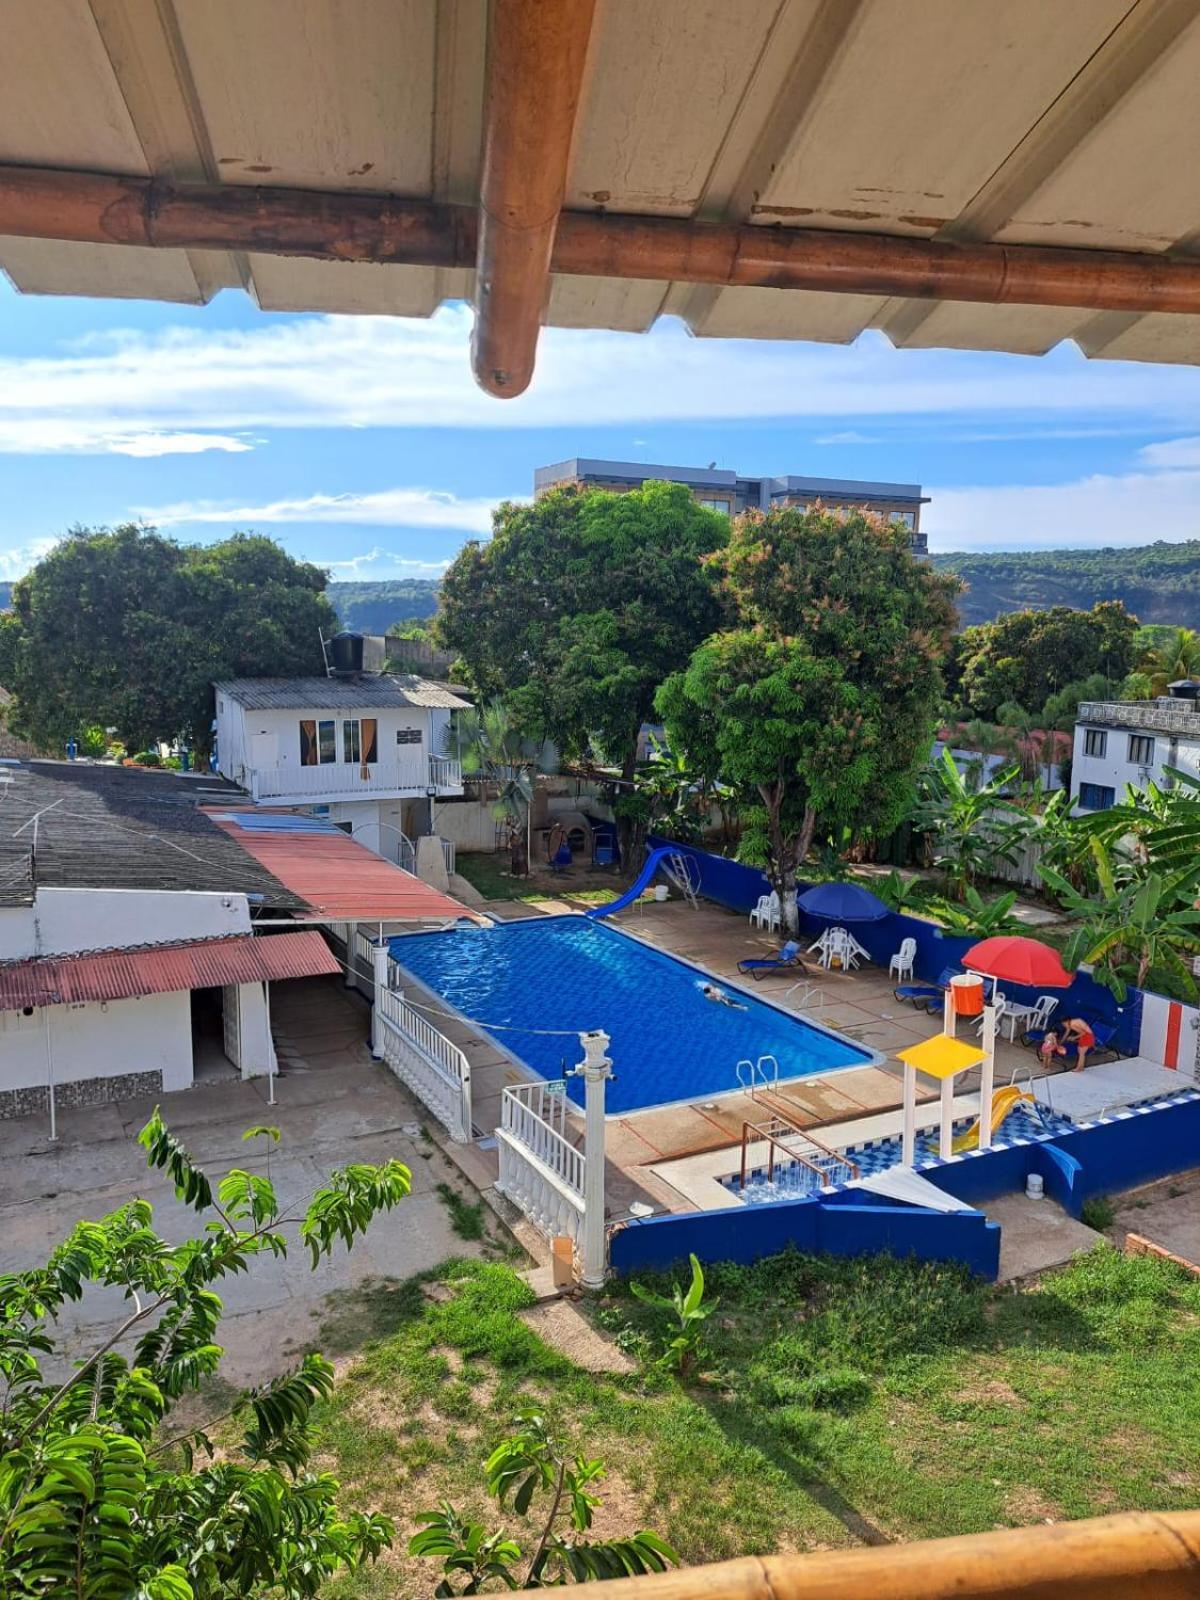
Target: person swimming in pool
710 991
1072 1031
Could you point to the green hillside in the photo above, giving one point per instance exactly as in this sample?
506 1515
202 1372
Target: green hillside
1157 582
373 607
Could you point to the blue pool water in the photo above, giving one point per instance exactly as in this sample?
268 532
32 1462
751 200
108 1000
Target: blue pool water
668 1042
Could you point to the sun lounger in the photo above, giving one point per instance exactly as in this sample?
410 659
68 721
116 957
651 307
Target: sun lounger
788 960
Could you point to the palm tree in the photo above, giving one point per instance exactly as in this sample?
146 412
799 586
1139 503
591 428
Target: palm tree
1176 655
494 748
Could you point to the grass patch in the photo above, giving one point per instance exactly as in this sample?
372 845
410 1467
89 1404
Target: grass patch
466 1219
840 1401
490 875
1097 1212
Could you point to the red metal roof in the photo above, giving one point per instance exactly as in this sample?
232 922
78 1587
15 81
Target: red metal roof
339 880
162 969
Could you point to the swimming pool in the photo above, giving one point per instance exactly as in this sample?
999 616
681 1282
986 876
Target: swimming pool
568 973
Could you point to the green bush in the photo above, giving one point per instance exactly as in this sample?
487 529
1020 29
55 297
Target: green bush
148 758
1097 1213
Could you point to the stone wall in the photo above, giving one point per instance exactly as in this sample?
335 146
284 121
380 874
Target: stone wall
83 1092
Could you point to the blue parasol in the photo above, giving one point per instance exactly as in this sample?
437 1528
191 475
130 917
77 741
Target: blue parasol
843 902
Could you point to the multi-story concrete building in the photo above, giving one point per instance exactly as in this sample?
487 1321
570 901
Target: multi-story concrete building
1123 742
733 492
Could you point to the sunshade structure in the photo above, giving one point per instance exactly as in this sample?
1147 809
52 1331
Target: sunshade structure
845 902
1015 959
943 1057
997 175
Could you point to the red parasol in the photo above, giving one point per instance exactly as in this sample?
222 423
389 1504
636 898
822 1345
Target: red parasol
1016 959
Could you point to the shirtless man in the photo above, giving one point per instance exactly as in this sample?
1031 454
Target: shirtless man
1072 1031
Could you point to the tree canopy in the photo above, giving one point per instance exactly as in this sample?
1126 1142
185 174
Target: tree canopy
818 703
127 629
1158 582
580 605
1027 656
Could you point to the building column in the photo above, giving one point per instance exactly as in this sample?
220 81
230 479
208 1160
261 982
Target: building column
382 956
908 1150
987 1077
596 1069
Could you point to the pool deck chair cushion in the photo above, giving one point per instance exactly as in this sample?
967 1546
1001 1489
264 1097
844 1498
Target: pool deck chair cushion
787 960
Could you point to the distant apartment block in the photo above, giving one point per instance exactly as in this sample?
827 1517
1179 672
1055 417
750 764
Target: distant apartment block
1119 743
732 492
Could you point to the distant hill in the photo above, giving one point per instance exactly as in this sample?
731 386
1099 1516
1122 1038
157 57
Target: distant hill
373 607
1157 582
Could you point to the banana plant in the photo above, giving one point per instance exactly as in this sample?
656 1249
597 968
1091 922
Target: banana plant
982 918
973 829
684 1341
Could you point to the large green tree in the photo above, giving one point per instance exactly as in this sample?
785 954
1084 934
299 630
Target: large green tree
125 628
1026 656
818 704
580 605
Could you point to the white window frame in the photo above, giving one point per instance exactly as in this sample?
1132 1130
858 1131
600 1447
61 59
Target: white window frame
1141 741
352 725
1097 737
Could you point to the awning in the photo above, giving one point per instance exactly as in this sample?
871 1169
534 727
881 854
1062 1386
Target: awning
163 969
981 176
338 880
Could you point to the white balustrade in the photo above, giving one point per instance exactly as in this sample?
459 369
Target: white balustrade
541 1171
435 1069
349 780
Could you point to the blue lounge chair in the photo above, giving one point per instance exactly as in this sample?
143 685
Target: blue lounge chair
788 959
931 997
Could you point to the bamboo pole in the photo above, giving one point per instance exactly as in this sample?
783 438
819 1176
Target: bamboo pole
95 208
536 55
1134 1556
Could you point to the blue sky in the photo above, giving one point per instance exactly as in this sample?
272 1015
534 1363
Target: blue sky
362 443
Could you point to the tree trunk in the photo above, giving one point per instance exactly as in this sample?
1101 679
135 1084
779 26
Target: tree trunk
631 833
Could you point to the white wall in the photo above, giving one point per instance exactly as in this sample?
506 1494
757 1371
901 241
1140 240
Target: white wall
1114 769
263 740
153 1034
66 921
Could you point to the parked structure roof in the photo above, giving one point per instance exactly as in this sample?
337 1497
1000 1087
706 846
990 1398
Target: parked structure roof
363 692
694 144
71 825
162 969
339 880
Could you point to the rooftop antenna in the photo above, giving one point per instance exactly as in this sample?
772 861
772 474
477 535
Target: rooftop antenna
325 652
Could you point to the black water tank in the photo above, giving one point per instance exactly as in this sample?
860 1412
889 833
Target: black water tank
1185 689
346 653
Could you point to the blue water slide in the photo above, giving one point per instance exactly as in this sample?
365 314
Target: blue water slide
635 889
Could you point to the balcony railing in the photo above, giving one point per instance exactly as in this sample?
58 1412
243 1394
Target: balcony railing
345 780
1162 716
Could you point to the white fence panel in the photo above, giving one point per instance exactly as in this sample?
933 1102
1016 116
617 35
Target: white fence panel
436 1070
541 1171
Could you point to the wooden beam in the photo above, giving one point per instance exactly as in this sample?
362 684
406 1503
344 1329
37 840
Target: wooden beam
332 226
1134 1556
536 55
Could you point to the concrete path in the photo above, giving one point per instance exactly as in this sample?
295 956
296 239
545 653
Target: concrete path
333 1106
1036 1235
1167 1213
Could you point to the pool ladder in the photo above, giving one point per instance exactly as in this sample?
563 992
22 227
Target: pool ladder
753 1076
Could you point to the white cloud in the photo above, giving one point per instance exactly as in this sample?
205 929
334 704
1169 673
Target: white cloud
16 561
1103 509
362 372
380 563
399 508
1172 453
34 435
849 436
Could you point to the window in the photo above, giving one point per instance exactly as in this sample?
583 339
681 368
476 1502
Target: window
1095 742
351 741
408 736
908 518
1096 796
318 743
359 741
1141 749
714 505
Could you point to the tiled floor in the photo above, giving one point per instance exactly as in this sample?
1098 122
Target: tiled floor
860 1004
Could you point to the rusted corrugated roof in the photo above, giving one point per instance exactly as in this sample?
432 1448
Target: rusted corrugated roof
163 969
337 879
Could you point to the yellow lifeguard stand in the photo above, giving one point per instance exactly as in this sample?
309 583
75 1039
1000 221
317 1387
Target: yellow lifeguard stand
942 1057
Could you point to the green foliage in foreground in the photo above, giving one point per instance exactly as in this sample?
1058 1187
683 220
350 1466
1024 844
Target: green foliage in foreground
99 1498
841 1401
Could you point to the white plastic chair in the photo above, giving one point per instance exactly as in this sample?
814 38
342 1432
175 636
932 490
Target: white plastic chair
761 915
902 962
1039 1017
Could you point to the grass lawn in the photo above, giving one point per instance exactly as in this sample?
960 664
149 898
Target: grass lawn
841 1402
490 875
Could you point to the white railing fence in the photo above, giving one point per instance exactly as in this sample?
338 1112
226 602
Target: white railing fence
541 1171
445 772
361 957
436 1070
449 853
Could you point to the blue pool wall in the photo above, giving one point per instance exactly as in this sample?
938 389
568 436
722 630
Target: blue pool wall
738 887
1118 1152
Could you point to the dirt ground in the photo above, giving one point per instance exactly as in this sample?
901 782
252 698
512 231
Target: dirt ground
1167 1213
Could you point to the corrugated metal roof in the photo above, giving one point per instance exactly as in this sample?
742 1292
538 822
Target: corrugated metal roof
370 692
163 969
1020 121
339 880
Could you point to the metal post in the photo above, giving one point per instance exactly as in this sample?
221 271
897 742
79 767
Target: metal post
351 956
595 1068
381 982
50 1076
948 1013
272 1063
909 1141
946 1144
987 1077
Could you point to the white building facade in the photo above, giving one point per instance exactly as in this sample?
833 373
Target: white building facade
372 753
1119 743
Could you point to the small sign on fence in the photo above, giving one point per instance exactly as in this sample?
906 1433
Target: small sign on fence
556 1086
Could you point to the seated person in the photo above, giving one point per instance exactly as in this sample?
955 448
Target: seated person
1071 1031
